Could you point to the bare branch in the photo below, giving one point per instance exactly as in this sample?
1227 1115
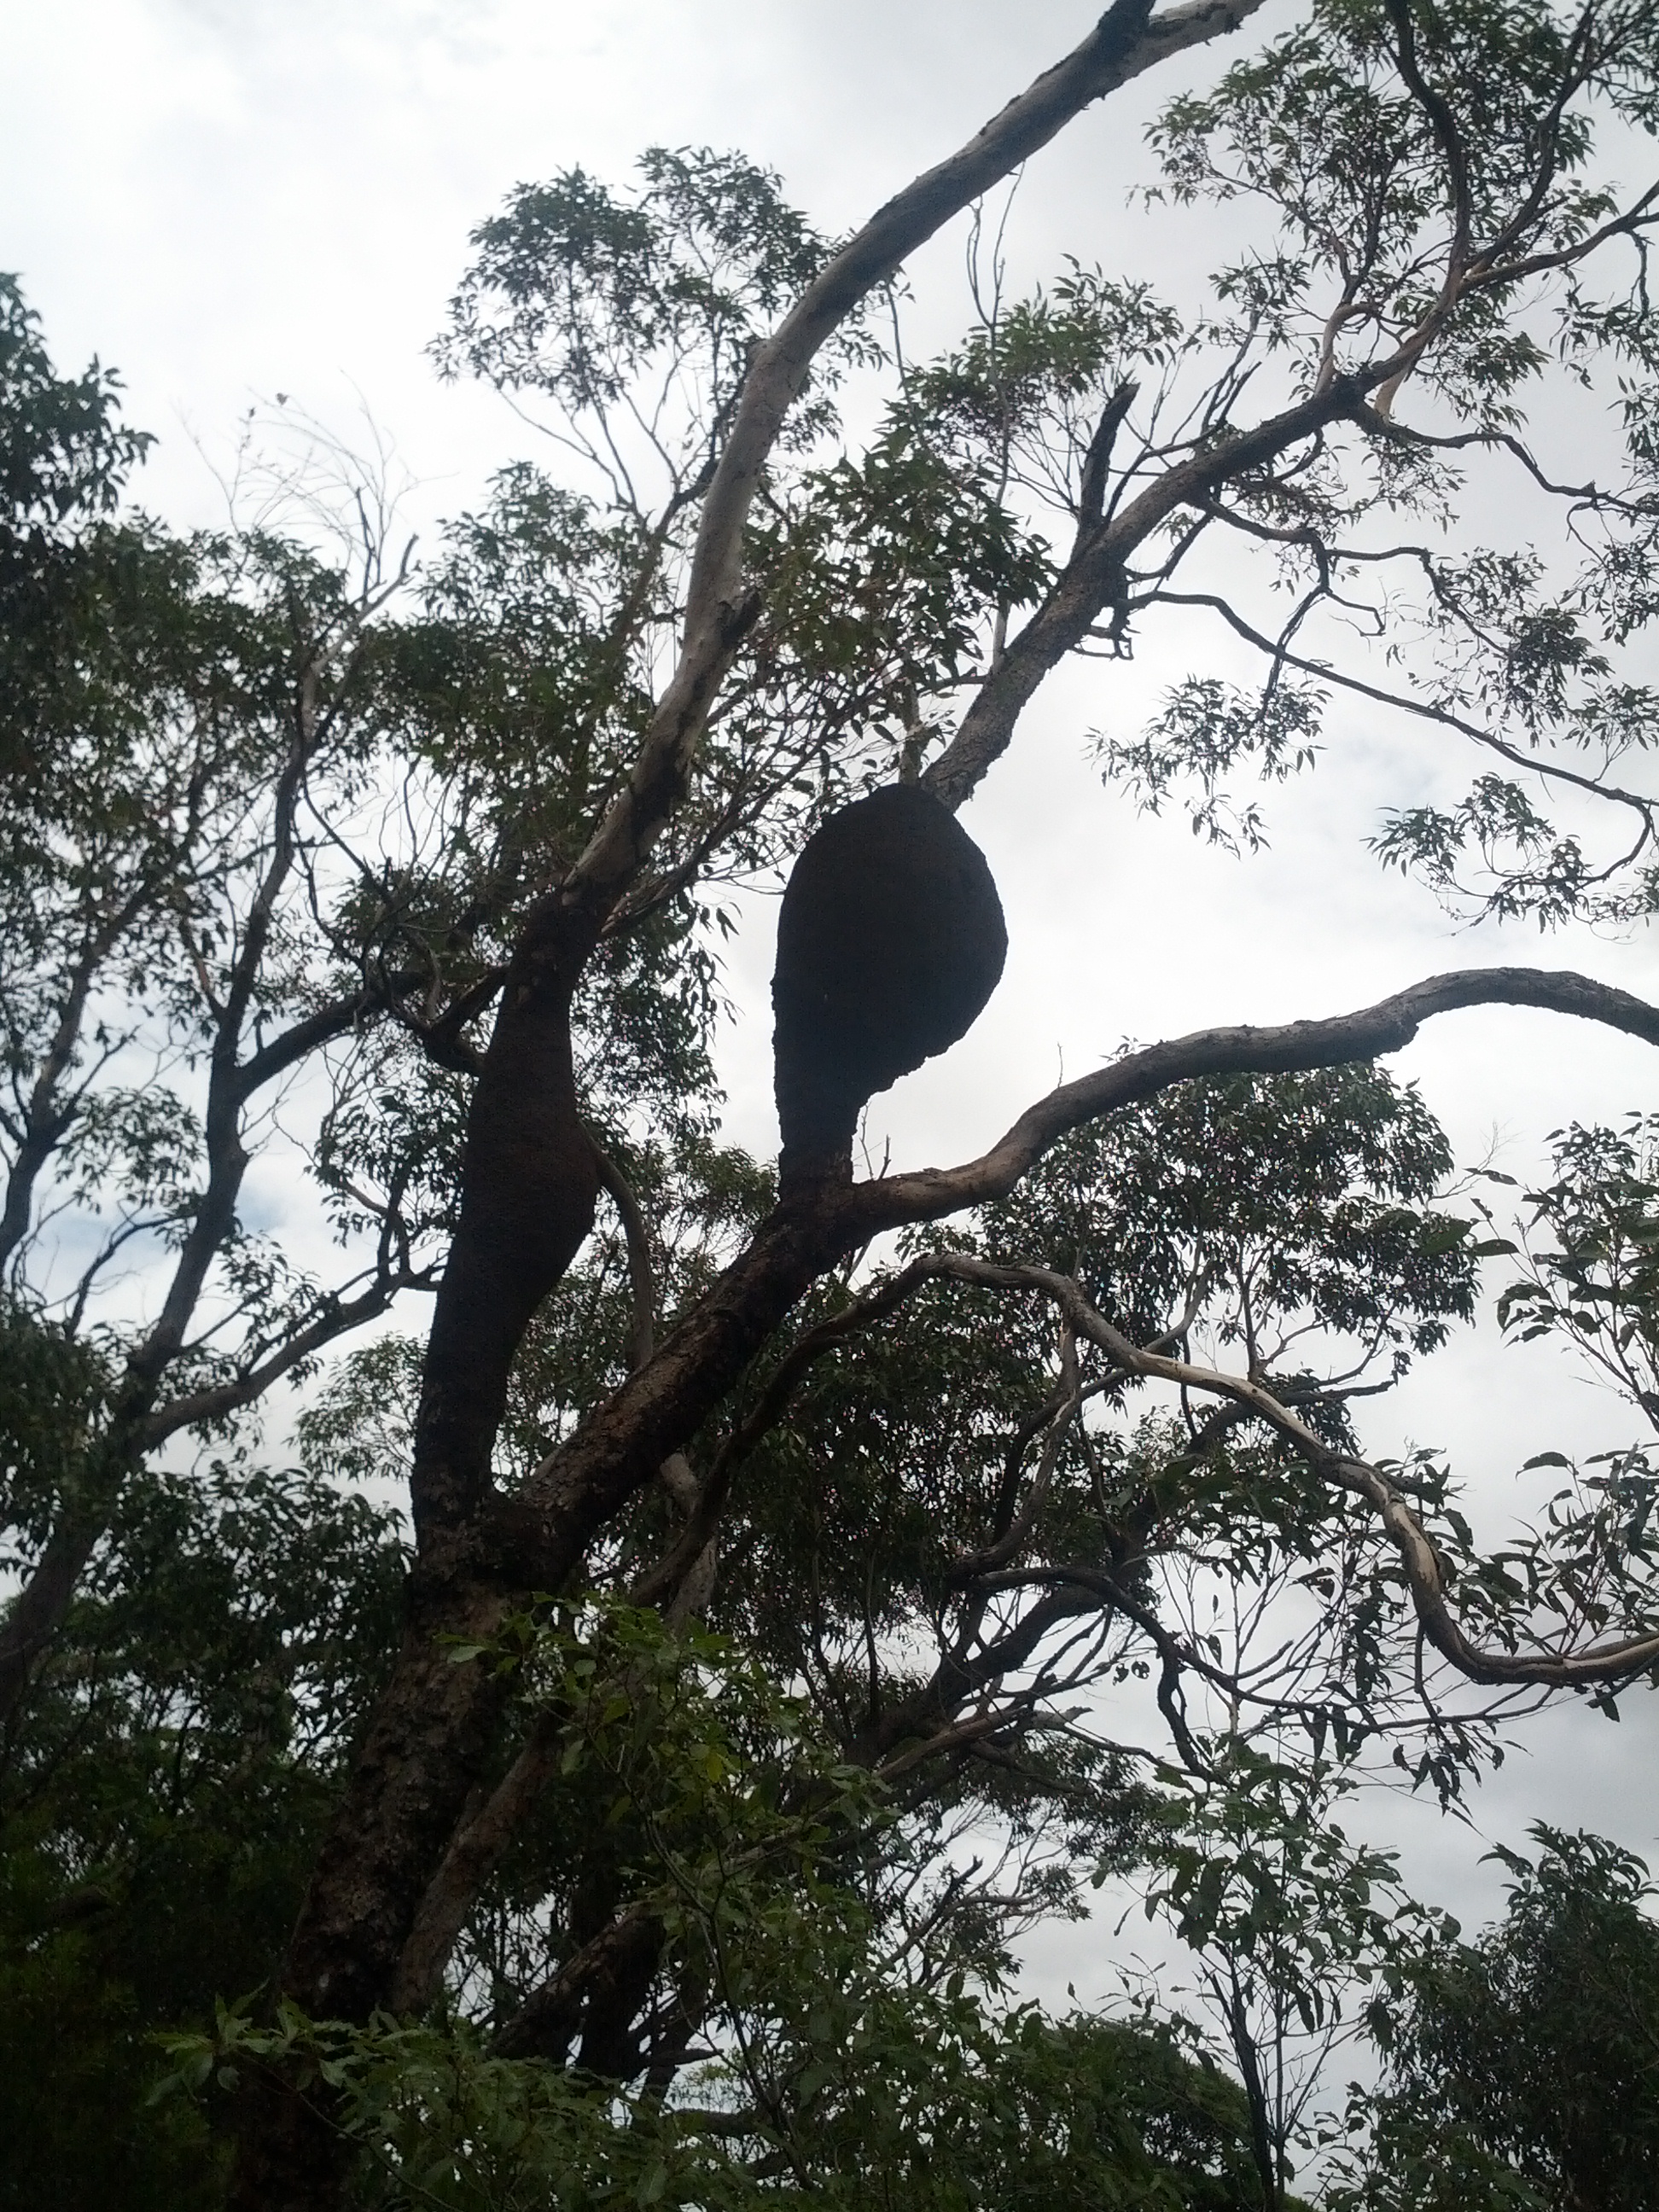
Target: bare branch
338 1018
1450 139
336 1317
576 1488
1388 1026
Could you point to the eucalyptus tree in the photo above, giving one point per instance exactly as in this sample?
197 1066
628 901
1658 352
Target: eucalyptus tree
618 695
1521 2064
1428 199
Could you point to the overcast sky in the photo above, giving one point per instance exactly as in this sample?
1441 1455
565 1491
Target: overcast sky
231 198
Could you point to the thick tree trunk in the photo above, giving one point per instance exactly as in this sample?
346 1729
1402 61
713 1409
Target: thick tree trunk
531 1179
429 1740
436 1722
530 1182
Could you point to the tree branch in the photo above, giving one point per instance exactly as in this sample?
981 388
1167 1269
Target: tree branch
1604 1662
1426 710
471 1858
299 1041
588 1477
1388 1026
1450 139
544 2024
335 1318
1125 41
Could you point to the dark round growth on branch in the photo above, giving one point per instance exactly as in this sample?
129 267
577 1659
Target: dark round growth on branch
890 942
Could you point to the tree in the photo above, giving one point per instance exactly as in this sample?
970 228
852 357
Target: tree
178 1768
613 699
170 708
196 731
1524 2068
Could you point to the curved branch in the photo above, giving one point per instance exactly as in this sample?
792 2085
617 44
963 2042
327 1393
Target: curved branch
304 1037
594 1472
1388 1026
1604 1662
1125 42
1457 441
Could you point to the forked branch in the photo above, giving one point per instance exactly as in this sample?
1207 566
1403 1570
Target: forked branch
1125 41
1600 1664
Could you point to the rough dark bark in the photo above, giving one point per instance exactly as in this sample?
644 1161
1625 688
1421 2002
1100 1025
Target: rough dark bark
530 1182
431 1735
615 1966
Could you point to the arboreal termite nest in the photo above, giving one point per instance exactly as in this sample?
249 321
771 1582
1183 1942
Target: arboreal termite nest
890 942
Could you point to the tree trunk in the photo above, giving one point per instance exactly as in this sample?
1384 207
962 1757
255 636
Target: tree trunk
436 1722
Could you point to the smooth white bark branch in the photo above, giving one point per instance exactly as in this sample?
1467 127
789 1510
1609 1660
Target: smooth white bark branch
1388 1026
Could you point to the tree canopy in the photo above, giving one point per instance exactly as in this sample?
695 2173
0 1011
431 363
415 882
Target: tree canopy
605 1739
